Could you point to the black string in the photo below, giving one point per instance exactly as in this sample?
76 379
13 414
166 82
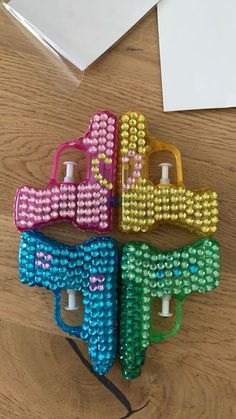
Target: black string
105 381
134 411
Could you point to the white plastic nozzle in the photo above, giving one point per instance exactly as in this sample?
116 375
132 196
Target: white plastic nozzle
69 171
165 309
71 300
165 172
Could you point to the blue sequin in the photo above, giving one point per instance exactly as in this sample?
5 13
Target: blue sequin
160 274
177 271
193 268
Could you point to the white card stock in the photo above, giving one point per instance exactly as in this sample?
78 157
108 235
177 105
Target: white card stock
198 53
80 30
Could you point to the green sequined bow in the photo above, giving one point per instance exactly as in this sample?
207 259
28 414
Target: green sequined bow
148 272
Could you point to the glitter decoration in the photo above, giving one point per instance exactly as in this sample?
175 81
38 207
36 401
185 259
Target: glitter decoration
144 205
87 204
148 272
89 268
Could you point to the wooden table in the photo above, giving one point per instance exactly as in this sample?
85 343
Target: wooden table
44 102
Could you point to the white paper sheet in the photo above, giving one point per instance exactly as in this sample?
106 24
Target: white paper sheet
81 30
198 53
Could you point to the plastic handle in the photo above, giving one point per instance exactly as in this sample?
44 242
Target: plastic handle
159 336
157 145
71 330
62 147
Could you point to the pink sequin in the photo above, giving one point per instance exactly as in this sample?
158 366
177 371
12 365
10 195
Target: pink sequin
95 126
23 206
109 153
110 128
71 197
104 117
94 134
86 141
104 217
102 140
95 211
93 287
131 153
101 148
38 263
110 144
103 225
63 205
54 206
63 213
102 132
103 208
95 219
93 150
94 141
111 121
103 124
40 254
55 198
110 136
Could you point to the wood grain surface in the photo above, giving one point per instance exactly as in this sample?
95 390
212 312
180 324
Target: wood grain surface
44 102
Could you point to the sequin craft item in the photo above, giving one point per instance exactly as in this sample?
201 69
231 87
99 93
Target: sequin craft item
87 204
89 268
144 205
148 272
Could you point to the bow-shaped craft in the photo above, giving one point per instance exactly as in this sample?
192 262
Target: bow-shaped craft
148 272
145 205
87 204
90 268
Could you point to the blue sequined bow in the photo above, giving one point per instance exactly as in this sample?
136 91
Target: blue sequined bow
90 268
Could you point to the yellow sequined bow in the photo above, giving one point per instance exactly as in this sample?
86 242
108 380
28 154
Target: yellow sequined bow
145 205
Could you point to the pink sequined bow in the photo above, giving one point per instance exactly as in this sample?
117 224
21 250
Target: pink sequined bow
87 204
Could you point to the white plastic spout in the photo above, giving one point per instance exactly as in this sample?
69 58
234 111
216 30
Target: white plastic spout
71 300
165 309
71 296
69 171
165 172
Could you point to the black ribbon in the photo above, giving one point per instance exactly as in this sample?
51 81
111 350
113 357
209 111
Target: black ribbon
105 381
